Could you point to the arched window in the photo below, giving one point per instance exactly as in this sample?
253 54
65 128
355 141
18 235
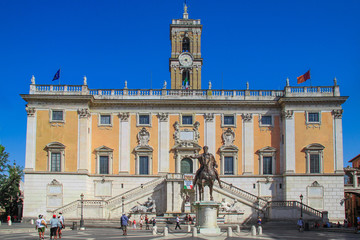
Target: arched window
186 79
186 44
186 166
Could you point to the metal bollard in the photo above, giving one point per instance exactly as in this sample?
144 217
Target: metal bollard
229 232
238 228
253 230
188 228
194 232
259 230
154 231
32 221
166 231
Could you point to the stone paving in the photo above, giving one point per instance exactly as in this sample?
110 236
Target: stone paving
20 231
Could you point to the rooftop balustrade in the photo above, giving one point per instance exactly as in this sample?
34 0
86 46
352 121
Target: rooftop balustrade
320 91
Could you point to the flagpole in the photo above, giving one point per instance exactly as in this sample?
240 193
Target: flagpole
310 77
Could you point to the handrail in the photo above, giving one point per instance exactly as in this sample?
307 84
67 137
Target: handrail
110 201
298 204
244 193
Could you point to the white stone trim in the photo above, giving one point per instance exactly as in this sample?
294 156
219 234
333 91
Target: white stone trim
228 125
187 114
267 152
143 151
51 115
104 151
289 141
138 118
308 123
248 144
124 143
31 141
56 147
105 125
266 125
163 145
314 148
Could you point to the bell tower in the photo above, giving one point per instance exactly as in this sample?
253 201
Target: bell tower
185 62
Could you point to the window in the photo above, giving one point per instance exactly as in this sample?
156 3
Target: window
228 120
313 118
229 166
314 163
55 162
57 115
144 165
104 165
104 160
186 79
143 119
267 160
105 119
56 156
266 120
186 44
314 158
186 166
187 120
267 165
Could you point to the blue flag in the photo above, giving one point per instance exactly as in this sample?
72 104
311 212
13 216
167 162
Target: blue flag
57 75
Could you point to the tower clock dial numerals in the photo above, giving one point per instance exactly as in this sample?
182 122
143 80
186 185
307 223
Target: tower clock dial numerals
186 59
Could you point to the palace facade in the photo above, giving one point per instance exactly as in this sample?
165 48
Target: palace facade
118 147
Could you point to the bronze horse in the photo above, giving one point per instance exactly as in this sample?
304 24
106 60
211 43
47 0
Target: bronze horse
206 174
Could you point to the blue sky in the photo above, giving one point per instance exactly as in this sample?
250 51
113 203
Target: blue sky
110 41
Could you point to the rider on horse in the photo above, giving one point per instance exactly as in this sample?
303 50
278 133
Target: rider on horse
206 159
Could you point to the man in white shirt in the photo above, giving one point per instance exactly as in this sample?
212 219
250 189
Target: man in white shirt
40 226
177 223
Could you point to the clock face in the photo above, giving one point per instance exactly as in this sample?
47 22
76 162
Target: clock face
185 60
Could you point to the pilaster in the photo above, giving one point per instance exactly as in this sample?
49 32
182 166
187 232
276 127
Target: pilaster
30 155
124 146
338 140
163 152
289 140
83 141
209 135
248 144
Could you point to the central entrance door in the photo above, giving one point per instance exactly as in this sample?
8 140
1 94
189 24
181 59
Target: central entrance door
186 166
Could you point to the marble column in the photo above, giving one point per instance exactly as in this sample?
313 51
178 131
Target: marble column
163 152
289 140
124 140
248 144
83 165
30 139
338 140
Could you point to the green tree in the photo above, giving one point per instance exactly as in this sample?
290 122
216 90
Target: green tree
10 176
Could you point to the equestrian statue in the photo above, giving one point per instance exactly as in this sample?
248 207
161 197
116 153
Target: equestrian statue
207 173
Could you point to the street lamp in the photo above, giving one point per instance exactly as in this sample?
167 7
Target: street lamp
82 212
301 198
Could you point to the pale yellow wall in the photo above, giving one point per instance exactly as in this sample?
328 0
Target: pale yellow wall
305 136
63 133
264 137
105 136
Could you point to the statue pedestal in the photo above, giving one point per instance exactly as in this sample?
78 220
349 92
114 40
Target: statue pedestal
206 216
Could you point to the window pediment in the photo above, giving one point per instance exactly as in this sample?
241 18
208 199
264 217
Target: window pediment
103 149
143 149
314 147
55 145
267 149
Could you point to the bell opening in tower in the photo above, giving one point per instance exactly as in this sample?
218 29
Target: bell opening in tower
186 44
186 79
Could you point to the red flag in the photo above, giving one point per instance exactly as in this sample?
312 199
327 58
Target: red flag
303 77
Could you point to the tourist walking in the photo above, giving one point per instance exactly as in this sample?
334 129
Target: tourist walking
134 224
141 222
124 222
147 222
153 221
62 223
190 219
40 226
55 224
300 224
177 223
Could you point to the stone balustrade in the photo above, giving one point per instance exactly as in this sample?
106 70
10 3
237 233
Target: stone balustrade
323 91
